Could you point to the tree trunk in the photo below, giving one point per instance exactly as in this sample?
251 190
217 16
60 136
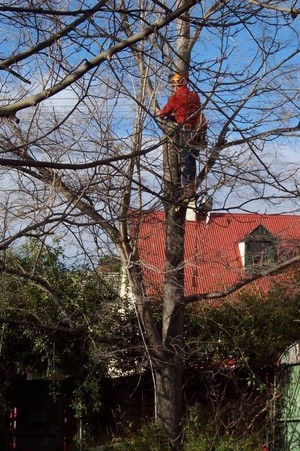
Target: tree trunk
168 371
168 378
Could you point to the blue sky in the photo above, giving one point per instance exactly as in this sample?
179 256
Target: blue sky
223 84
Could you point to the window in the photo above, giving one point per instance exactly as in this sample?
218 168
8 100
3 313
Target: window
260 250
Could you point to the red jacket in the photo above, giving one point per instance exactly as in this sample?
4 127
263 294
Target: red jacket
181 105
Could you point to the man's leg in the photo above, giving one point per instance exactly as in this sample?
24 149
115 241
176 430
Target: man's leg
188 169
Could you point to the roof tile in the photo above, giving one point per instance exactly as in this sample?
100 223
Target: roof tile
212 257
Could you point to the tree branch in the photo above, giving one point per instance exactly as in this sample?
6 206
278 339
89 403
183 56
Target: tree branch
10 110
263 5
221 294
43 45
80 333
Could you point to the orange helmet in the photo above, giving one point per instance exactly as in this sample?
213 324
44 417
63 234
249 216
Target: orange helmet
177 80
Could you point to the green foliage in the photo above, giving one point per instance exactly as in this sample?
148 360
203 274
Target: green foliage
200 435
149 438
55 320
203 442
250 333
232 351
196 438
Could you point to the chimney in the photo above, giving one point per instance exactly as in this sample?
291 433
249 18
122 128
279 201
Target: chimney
190 212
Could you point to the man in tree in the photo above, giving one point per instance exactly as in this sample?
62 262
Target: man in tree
184 108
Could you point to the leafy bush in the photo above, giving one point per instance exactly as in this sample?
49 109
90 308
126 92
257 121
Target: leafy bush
152 438
225 443
232 351
200 435
149 438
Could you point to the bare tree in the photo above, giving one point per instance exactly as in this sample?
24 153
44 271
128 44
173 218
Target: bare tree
81 146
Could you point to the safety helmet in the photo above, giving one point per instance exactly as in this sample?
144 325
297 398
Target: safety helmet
177 80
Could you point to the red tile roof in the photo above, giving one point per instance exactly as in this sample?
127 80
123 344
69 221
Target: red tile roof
212 257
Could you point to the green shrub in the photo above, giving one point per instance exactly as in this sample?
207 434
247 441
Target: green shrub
151 437
197 437
200 435
203 442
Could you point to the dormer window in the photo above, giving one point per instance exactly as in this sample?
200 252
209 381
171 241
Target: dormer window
260 250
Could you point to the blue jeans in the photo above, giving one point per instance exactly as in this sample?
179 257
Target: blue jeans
188 162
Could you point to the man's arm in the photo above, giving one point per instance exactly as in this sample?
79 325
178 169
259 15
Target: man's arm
168 110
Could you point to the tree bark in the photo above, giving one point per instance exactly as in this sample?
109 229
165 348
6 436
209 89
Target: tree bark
168 378
168 372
